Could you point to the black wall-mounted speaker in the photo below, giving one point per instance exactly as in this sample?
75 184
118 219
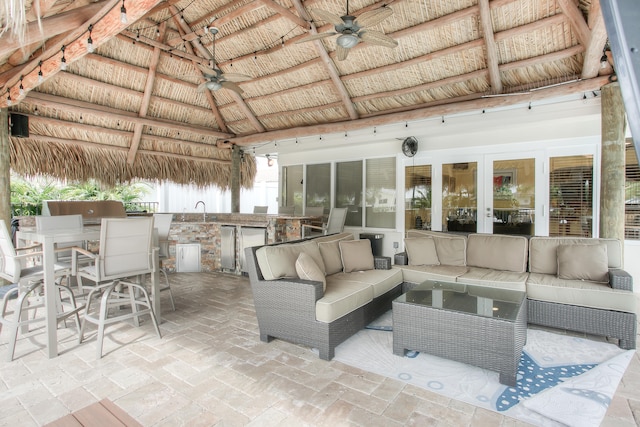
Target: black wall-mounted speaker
19 125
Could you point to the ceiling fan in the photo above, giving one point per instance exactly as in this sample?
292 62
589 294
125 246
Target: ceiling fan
353 30
215 78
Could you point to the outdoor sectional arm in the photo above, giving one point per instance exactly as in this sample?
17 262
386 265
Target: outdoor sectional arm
620 279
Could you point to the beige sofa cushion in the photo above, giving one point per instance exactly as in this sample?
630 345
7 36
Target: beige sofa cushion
494 278
545 287
420 273
356 255
421 251
330 251
308 269
543 256
451 248
279 261
583 262
497 252
382 281
342 297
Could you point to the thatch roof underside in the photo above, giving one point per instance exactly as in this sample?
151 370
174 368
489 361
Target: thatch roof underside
132 109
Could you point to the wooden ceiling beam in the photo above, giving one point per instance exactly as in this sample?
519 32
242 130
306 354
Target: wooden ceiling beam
51 26
422 113
81 107
119 133
146 97
191 35
493 61
427 86
98 145
281 10
576 20
591 66
330 66
106 24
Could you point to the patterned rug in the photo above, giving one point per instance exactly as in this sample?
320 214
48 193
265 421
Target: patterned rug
562 380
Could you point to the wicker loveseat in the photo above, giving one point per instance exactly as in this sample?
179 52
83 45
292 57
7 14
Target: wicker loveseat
572 283
349 288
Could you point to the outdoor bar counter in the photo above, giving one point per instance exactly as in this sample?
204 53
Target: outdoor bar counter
210 233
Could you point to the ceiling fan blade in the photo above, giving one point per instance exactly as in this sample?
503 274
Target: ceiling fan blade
377 38
316 37
202 86
232 86
374 17
341 53
235 77
327 16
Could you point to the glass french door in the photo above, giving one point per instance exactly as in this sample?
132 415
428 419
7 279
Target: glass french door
511 200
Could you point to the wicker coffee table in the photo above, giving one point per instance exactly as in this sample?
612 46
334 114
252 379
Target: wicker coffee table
478 325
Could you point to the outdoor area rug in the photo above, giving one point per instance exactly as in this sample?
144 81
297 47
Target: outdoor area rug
562 380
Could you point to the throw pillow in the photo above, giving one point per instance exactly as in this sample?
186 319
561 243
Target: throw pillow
330 251
421 251
356 255
307 269
583 262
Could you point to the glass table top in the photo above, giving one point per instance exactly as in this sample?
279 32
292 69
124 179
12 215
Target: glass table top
479 300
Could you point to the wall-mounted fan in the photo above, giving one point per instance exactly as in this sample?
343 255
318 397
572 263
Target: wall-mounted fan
410 146
353 30
215 78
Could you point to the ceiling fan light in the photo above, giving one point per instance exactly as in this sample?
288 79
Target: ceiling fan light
214 85
347 41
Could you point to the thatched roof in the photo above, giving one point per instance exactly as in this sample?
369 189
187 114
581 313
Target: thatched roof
132 109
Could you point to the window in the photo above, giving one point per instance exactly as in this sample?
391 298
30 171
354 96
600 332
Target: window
292 184
417 197
571 196
348 192
319 185
632 194
381 193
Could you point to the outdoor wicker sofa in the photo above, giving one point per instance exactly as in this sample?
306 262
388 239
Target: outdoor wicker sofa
575 284
345 292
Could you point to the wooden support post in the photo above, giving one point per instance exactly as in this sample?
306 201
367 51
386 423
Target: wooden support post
613 163
236 158
5 166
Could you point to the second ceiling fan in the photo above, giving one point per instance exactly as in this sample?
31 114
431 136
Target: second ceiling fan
353 30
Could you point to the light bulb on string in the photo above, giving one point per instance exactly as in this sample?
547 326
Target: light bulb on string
63 61
90 40
21 89
9 101
123 13
40 75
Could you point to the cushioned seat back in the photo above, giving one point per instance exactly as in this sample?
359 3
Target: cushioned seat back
497 252
543 252
279 261
451 248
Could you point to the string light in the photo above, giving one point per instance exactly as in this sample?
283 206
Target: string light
442 119
282 38
9 101
90 40
529 105
40 76
21 89
123 13
63 61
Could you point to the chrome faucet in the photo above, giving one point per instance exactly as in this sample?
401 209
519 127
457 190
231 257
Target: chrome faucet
204 212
